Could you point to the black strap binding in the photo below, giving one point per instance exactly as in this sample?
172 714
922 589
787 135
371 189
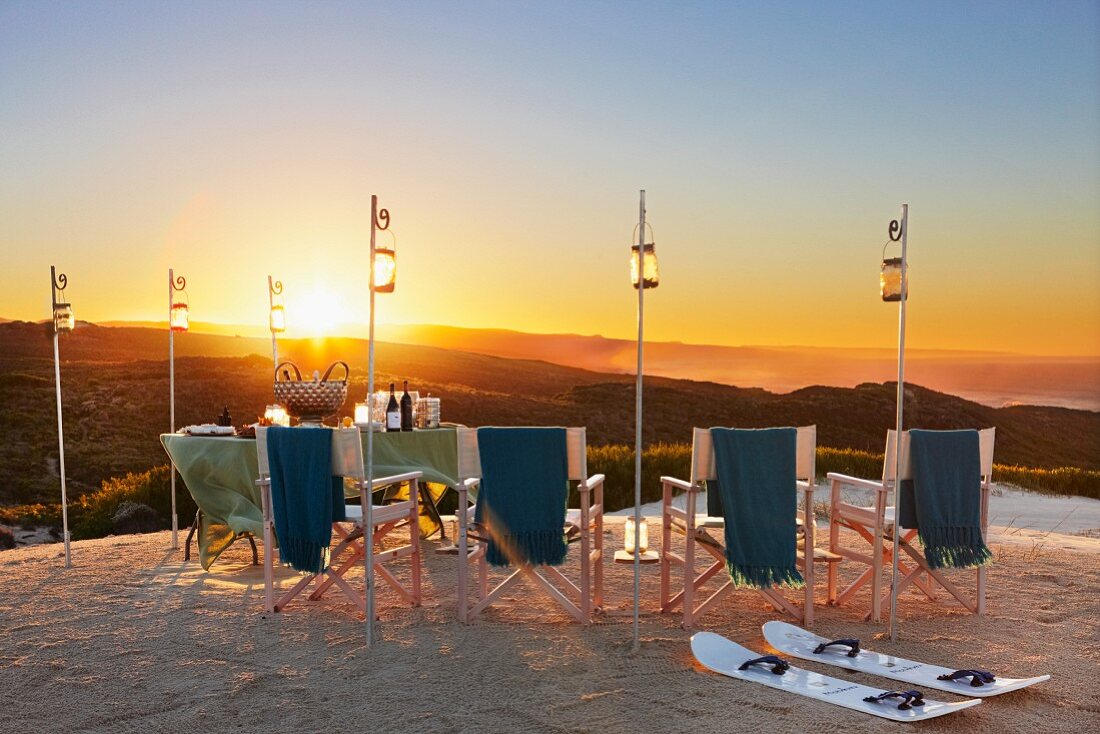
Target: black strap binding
978 678
909 698
846 642
779 665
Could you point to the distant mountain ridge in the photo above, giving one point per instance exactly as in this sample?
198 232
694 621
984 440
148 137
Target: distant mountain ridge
995 379
115 390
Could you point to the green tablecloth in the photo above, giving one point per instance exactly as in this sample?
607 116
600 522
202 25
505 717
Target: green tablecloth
221 473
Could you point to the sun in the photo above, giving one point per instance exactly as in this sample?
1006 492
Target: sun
316 313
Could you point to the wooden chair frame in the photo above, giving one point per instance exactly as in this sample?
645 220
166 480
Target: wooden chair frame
694 529
347 461
579 600
874 524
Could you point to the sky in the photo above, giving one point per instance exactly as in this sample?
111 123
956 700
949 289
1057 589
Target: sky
509 141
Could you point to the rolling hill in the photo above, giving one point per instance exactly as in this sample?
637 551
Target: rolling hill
115 389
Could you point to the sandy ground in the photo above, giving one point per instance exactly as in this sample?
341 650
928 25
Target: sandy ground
132 640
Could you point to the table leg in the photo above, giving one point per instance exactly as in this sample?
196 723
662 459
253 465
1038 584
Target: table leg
190 535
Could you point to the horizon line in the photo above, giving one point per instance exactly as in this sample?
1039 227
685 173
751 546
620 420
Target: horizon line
259 332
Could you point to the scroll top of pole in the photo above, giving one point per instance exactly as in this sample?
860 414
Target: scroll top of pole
277 316
894 275
384 262
178 316
63 319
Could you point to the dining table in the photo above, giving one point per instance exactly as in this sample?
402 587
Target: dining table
220 472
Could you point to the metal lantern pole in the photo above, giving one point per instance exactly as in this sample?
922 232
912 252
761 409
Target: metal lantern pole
640 285
274 288
57 284
174 284
904 232
379 219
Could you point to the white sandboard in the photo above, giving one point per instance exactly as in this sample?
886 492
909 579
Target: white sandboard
725 656
792 640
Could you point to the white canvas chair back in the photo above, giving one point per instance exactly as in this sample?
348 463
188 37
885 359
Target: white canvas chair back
889 465
469 460
347 461
702 455
577 599
347 453
261 451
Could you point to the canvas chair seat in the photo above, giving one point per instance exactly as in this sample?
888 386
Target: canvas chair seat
583 525
694 527
874 525
711 521
379 513
349 547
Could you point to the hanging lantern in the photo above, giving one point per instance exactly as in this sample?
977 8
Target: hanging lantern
63 319
276 415
650 274
891 280
278 319
385 269
178 320
635 539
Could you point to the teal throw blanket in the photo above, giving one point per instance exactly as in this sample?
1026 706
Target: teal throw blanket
756 480
306 499
943 499
524 488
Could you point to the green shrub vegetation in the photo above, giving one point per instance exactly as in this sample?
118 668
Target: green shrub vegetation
616 463
1067 480
92 515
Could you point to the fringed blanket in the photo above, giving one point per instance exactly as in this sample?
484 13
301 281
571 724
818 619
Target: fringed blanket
943 499
756 480
521 500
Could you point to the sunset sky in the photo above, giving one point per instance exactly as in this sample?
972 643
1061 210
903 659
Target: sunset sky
509 141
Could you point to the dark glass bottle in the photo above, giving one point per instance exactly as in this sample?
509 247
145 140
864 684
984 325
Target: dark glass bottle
406 409
393 412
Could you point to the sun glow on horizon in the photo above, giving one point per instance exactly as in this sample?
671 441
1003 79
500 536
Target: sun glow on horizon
316 313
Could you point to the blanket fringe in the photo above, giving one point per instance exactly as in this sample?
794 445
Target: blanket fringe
541 548
304 555
954 547
763 577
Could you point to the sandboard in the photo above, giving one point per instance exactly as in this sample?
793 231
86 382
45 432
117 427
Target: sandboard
792 640
726 657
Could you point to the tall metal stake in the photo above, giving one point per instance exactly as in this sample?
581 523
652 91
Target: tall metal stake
368 514
172 397
55 285
897 434
638 416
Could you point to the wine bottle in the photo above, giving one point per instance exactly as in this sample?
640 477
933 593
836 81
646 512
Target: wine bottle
393 413
406 409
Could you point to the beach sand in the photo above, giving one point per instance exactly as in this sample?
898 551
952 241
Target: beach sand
131 639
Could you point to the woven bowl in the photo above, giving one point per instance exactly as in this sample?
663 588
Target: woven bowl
311 400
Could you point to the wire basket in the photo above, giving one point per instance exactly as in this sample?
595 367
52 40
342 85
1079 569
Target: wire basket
311 400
